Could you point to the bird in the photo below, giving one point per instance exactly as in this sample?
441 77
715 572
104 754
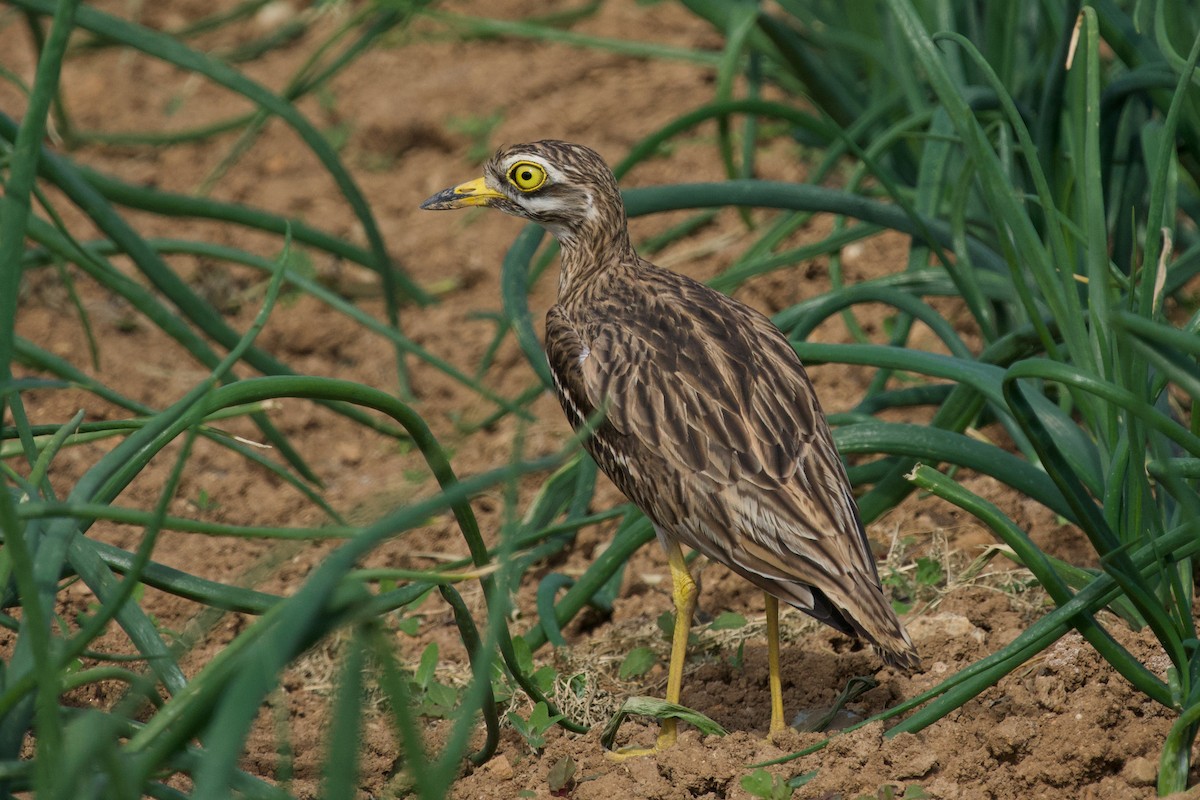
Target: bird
707 419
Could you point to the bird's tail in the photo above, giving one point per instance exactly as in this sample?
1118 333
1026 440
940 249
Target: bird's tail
854 605
871 616
903 657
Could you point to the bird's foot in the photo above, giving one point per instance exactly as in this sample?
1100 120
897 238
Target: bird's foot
777 733
666 739
626 753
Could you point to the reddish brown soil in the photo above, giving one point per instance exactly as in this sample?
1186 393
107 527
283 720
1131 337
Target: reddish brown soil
1063 726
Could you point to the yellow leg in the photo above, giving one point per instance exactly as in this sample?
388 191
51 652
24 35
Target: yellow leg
683 591
685 594
777 723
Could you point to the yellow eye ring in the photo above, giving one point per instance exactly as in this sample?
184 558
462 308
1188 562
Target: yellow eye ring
527 176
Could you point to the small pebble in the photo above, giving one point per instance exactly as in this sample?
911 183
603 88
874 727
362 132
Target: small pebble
274 15
499 768
1140 771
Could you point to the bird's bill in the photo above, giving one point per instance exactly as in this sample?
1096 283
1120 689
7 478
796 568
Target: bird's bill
471 193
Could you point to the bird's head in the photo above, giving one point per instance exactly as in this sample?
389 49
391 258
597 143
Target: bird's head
566 188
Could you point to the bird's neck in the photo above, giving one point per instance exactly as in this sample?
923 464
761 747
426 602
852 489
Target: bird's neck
592 253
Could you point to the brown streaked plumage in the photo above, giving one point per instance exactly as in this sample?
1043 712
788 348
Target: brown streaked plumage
711 425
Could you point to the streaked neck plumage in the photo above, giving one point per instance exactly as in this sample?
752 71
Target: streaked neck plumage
593 247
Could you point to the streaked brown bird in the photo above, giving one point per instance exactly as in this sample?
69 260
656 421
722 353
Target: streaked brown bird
710 424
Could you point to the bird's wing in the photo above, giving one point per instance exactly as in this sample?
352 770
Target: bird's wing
713 428
714 391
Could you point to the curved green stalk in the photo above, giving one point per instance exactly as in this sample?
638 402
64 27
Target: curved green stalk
172 51
32 652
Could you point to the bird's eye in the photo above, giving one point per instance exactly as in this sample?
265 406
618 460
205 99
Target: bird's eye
527 176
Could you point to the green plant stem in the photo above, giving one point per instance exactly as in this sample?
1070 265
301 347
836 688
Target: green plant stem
586 586
1035 560
482 667
171 50
32 651
1175 760
134 516
172 204
485 26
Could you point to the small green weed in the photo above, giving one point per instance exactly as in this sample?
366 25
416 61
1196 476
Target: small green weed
727 621
533 730
544 676
761 783
431 698
639 661
666 624
340 128
561 777
916 583
204 501
738 659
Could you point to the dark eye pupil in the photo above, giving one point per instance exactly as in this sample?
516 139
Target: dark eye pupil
526 175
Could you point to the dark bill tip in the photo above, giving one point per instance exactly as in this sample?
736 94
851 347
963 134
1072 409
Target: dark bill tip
443 200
